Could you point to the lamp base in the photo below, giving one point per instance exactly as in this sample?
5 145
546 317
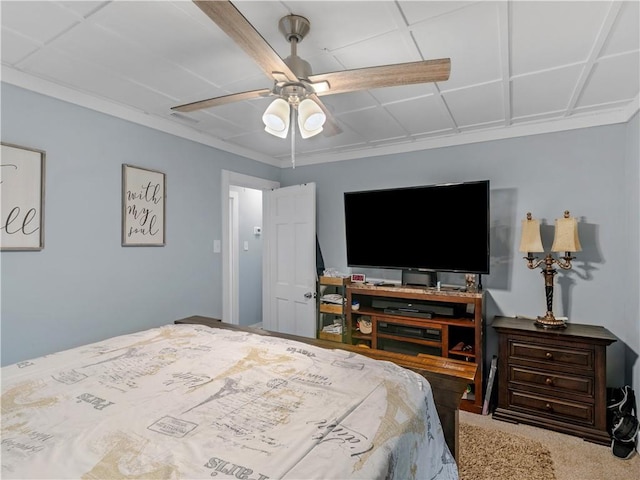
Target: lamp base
549 321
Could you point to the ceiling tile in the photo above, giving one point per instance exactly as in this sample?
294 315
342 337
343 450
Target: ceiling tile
421 11
544 92
385 49
550 34
373 124
38 21
77 74
348 102
16 47
220 127
405 92
613 79
626 30
469 37
476 105
83 8
419 116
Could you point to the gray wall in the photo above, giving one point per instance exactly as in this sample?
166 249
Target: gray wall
84 286
632 194
581 170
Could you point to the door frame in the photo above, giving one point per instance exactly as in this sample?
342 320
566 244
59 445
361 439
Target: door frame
228 290
234 261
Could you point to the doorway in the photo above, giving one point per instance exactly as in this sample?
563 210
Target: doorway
231 221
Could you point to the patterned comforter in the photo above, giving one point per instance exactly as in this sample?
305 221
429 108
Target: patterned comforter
189 401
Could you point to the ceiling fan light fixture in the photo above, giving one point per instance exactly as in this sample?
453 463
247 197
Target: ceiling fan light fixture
304 133
311 118
276 118
277 133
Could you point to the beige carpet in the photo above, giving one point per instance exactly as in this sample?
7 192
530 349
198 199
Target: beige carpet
572 458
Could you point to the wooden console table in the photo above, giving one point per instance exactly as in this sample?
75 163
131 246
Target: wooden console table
400 331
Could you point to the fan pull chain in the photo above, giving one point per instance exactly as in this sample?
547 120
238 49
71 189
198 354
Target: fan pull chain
293 136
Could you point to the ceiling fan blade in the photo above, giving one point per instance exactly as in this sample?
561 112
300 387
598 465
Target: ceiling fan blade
237 27
217 101
424 71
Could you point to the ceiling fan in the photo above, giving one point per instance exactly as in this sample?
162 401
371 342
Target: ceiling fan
296 88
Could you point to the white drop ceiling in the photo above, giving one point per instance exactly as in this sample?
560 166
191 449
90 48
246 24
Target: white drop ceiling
517 68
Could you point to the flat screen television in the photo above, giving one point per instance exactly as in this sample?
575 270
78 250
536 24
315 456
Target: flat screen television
438 228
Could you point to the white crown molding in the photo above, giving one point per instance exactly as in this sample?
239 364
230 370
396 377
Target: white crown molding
633 108
44 87
463 138
29 82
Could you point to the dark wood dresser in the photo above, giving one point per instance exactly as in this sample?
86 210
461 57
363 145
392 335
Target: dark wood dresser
553 378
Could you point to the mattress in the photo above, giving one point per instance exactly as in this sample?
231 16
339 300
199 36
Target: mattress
189 401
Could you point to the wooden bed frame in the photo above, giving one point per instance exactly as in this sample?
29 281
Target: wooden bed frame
448 378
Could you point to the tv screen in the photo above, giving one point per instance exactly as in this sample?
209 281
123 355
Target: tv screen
434 227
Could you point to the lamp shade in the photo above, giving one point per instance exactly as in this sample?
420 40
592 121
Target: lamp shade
276 118
566 235
530 240
311 118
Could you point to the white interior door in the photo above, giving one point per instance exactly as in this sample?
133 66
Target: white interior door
289 261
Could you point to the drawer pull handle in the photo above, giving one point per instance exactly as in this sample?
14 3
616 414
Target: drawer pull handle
548 406
549 381
549 355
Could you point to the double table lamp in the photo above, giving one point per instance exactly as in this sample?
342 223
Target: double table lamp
565 240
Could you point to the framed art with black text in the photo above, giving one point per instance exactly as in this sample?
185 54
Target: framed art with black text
22 198
143 207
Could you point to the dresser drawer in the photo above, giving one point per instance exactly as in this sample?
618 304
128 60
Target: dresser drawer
552 407
551 354
572 384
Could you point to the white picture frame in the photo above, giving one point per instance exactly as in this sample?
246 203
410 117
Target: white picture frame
143 207
22 171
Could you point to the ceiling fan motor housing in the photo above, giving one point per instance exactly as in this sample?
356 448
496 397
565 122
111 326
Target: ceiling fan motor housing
301 68
294 27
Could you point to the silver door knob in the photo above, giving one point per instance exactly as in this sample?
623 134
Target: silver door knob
310 295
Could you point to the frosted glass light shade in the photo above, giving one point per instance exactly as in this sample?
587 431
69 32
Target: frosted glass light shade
566 235
530 240
281 134
309 133
311 118
276 118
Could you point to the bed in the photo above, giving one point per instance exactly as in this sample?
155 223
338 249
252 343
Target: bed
190 401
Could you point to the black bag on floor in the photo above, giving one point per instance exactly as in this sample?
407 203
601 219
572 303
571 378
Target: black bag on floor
622 421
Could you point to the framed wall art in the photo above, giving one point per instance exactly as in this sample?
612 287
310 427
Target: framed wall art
22 198
143 207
